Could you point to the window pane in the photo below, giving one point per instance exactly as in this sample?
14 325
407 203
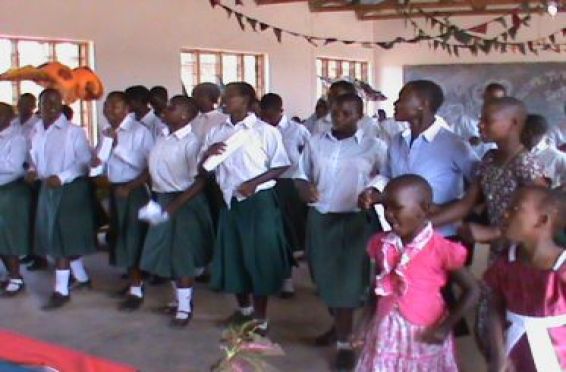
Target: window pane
332 69
33 52
208 68
318 67
358 73
30 87
5 64
250 70
229 68
188 71
345 68
67 54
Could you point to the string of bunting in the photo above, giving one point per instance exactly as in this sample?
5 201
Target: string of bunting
450 38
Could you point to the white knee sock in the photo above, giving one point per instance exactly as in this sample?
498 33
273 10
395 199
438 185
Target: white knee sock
288 285
136 291
62 281
78 270
184 296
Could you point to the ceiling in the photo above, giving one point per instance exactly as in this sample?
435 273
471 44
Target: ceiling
393 9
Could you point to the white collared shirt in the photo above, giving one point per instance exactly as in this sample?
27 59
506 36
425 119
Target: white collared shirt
173 161
62 150
262 151
295 137
439 156
340 169
552 160
13 154
557 135
367 125
128 158
389 128
205 121
154 123
26 127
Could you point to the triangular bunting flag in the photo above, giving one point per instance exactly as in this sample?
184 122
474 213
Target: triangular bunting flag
552 39
329 41
502 21
213 3
522 48
311 41
456 51
516 20
348 42
228 11
252 22
263 26
481 29
238 2
277 32
462 36
239 17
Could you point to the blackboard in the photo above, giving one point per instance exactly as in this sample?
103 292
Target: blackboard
542 86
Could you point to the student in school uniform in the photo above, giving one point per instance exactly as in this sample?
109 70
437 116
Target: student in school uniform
158 98
15 201
65 227
251 256
126 169
320 111
139 99
334 168
206 96
181 244
295 137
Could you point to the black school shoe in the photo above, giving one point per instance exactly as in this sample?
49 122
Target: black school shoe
56 301
75 285
131 303
38 264
8 294
345 360
327 338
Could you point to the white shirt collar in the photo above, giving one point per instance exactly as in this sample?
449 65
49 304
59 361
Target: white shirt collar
183 132
248 122
358 136
126 124
284 122
150 115
8 131
429 134
61 122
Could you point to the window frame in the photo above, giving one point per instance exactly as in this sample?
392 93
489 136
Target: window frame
260 71
85 58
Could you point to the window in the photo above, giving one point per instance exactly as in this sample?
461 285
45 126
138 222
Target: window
329 68
222 67
18 52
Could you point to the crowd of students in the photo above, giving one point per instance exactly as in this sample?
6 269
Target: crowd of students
387 211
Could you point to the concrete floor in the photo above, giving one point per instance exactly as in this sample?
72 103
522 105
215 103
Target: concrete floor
91 323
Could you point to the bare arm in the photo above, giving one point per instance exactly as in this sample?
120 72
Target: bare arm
248 188
496 340
457 210
186 196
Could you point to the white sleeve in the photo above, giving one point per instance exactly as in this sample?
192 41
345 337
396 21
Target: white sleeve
13 161
275 149
304 167
82 157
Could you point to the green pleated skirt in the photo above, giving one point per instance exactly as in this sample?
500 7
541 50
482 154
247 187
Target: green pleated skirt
15 212
294 213
251 254
127 231
175 248
65 222
336 250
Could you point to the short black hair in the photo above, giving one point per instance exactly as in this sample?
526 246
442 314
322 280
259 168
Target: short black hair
321 102
413 181
245 90
159 91
119 95
491 87
271 101
138 93
210 89
47 91
28 96
188 104
551 201
68 112
511 103
351 98
344 85
536 126
430 91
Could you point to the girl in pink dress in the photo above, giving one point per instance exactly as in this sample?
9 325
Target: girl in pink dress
411 329
527 287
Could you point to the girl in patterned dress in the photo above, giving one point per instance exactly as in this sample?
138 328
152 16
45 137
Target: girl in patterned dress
411 329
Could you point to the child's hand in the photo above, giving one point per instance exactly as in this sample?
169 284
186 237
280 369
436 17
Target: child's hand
309 194
31 177
122 191
215 149
368 198
54 182
95 162
435 334
247 189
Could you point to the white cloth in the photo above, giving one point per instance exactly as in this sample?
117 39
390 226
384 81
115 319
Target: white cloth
173 163
26 127
152 213
263 151
557 134
295 137
340 169
128 159
205 121
62 150
152 122
553 162
13 154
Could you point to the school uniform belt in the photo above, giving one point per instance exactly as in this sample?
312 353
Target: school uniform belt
538 337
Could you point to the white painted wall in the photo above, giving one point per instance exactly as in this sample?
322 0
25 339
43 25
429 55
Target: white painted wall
138 41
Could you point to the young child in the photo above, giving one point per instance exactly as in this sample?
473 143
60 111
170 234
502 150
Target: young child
251 255
295 137
333 169
65 227
411 329
139 99
553 161
126 169
528 286
177 247
15 201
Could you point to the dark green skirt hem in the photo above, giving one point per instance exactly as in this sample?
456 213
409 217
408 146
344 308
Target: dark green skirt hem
15 212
